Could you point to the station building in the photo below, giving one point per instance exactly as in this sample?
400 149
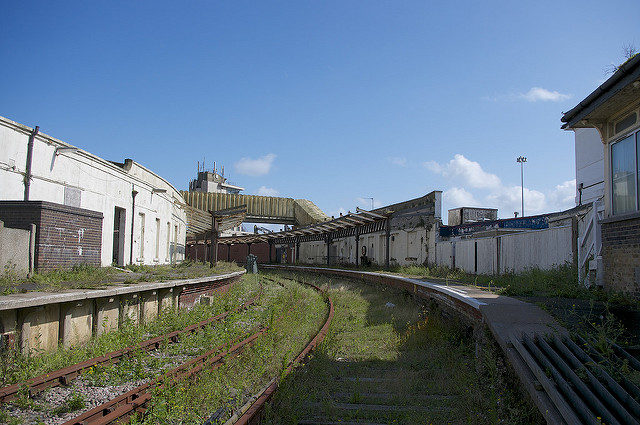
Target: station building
85 209
613 111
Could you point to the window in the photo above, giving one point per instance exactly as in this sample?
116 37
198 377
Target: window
141 242
624 175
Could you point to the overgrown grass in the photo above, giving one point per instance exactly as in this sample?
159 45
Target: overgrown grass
17 367
293 313
385 348
84 276
560 281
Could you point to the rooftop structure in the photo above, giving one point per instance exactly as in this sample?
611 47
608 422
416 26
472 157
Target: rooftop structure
212 182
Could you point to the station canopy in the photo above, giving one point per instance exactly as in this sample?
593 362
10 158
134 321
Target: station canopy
361 222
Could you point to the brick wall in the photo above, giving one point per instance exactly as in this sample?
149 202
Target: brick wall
239 252
621 254
65 236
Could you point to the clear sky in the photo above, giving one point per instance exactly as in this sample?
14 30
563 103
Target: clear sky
333 101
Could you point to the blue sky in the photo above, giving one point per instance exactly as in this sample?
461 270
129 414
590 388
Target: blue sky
329 101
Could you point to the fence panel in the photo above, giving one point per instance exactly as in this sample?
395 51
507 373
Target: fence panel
541 249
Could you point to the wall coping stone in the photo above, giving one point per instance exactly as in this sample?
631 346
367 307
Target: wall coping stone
52 206
34 299
622 217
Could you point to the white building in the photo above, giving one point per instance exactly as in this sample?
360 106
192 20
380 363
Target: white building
67 175
589 166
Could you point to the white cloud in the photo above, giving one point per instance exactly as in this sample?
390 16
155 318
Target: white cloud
338 212
433 166
267 191
489 191
399 161
536 94
255 167
365 203
462 170
563 196
459 197
509 199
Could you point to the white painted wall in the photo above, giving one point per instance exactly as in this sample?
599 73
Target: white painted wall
406 247
102 186
542 249
589 164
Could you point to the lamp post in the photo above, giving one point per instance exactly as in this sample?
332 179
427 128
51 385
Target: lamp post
522 160
371 202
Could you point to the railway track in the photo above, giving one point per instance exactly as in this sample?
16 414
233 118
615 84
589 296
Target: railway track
136 401
253 411
66 375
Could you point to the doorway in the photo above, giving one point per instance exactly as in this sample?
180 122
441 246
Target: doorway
118 236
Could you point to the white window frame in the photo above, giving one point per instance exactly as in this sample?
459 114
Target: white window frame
635 132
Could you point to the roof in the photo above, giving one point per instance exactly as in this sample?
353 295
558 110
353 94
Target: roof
621 79
347 224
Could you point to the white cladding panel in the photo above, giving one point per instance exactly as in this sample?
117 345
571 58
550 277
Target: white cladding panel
589 164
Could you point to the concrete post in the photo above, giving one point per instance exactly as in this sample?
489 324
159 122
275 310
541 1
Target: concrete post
297 250
328 248
357 245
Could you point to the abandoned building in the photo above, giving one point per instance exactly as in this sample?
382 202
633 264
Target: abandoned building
83 209
612 110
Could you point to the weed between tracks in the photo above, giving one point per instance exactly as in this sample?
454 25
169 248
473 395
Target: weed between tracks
135 368
293 313
388 359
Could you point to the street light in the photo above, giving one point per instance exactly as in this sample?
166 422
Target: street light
522 160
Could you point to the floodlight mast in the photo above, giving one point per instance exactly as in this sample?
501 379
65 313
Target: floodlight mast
522 160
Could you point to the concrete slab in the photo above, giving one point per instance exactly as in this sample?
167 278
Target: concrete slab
107 314
165 300
8 321
77 322
130 308
149 308
39 328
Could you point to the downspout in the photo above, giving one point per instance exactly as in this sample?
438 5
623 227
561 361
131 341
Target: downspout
133 215
27 172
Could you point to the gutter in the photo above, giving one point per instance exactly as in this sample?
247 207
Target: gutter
570 118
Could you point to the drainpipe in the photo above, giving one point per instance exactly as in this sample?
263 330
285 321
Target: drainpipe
27 173
133 215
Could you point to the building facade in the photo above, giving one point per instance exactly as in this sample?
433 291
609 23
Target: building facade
143 216
613 110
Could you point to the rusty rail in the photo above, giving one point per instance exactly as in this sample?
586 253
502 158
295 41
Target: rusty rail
65 375
254 413
122 407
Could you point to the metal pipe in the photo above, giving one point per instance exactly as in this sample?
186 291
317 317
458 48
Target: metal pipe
576 402
133 216
27 171
578 384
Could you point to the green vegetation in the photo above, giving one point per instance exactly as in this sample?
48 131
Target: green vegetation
89 277
294 314
16 367
414 365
